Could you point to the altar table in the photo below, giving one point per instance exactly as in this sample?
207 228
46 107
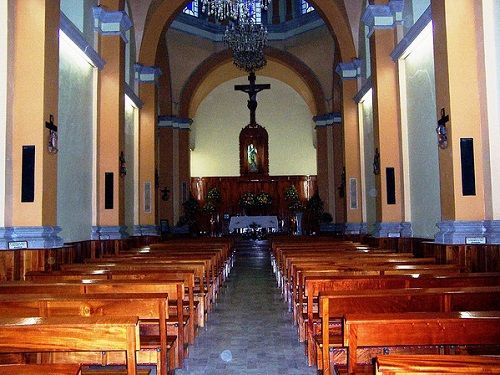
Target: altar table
241 222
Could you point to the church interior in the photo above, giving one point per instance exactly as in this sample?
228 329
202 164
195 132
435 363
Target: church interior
249 187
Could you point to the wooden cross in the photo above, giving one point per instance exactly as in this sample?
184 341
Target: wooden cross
252 90
52 142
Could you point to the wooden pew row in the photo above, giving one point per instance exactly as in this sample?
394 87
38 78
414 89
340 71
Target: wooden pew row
309 323
72 334
195 311
152 310
414 329
46 369
436 364
174 289
334 305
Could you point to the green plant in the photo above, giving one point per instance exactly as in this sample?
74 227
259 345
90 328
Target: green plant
247 200
214 195
291 194
263 199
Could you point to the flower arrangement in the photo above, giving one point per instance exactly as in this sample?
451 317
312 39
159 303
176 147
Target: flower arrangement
247 200
209 207
214 195
295 206
263 199
291 194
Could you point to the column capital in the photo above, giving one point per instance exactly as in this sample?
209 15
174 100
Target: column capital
147 74
111 22
383 16
328 119
349 70
174 122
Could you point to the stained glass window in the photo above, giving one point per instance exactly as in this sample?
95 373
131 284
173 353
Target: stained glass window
191 8
306 7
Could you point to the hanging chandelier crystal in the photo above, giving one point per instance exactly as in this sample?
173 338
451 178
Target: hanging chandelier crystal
247 40
234 9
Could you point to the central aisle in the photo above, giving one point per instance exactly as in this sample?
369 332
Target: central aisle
250 330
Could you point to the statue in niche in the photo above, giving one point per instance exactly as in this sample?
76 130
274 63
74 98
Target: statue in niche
252 158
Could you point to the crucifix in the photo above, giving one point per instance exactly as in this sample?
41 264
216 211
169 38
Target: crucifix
252 90
441 130
52 142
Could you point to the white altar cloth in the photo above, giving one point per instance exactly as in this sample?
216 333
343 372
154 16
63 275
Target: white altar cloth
240 222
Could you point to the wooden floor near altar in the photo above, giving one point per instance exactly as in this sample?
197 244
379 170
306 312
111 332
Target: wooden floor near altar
250 330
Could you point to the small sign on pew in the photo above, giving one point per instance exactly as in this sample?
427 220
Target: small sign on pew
394 235
16 245
475 240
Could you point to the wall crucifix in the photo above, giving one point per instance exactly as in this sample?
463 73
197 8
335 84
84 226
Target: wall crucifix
254 154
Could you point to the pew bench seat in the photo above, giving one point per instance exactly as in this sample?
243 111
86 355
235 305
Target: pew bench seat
436 364
45 369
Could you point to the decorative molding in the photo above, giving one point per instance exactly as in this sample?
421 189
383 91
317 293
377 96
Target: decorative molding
147 74
76 36
145 230
397 7
406 230
349 70
138 103
412 34
35 237
460 232
492 229
355 228
109 232
111 22
174 122
378 17
367 86
387 229
328 119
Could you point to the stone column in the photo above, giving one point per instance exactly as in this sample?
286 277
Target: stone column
111 23
458 96
349 72
148 91
386 120
32 201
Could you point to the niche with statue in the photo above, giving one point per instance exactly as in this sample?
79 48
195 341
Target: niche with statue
254 153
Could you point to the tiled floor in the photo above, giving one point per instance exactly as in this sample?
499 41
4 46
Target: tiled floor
250 330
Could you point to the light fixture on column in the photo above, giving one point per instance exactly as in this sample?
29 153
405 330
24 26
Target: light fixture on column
247 40
235 9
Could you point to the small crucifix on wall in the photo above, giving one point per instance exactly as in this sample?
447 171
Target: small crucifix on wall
52 141
441 131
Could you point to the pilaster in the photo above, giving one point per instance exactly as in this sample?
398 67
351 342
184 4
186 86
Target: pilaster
325 133
34 102
458 96
380 19
147 76
110 22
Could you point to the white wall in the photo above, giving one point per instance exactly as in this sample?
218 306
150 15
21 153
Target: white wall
223 114
4 11
130 131
368 151
422 141
74 177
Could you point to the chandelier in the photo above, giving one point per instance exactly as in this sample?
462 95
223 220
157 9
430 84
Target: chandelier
234 9
247 40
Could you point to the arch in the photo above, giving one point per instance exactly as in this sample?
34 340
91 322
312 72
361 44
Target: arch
162 12
192 94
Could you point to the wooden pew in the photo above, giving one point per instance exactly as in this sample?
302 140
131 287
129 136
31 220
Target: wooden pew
174 289
436 364
72 334
46 369
151 308
411 329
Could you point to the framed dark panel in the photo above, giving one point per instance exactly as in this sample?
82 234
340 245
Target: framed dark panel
468 172
28 174
391 185
108 190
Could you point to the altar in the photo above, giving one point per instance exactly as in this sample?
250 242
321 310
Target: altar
241 222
